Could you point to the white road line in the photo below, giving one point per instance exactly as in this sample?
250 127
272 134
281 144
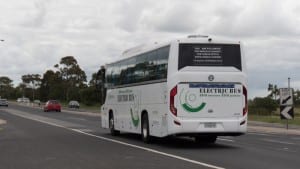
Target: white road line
77 118
224 139
275 141
260 134
124 143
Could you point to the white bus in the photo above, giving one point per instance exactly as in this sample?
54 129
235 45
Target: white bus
189 87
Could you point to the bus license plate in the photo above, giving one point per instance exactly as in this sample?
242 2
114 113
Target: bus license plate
210 125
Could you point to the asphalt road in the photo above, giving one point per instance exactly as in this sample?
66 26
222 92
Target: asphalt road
33 139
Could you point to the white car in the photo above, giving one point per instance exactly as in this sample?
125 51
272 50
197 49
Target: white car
19 100
3 102
74 104
23 100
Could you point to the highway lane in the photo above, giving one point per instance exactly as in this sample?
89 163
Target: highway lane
254 150
26 143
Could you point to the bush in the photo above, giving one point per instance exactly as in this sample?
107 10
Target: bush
263 106
89 96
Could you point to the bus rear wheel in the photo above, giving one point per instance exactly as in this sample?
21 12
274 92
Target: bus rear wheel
113 132
145 129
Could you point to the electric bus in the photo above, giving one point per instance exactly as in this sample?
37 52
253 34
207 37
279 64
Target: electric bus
196 86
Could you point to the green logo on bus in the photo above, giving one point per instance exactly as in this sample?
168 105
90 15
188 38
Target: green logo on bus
190 102
135 120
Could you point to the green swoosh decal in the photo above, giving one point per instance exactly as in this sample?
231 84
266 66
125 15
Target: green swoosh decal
134 121
192 109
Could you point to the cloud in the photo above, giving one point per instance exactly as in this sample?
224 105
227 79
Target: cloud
130 13
38 33
171 16
266 18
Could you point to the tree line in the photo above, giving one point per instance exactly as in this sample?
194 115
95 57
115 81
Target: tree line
67 81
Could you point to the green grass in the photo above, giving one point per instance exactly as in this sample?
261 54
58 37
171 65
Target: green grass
93 108
275 118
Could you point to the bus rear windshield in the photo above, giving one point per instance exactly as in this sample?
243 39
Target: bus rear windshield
228 55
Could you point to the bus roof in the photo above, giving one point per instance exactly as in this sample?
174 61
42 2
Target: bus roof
131 52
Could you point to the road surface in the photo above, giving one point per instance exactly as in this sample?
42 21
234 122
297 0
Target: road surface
34 139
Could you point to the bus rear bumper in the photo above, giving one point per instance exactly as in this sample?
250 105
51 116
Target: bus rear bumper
220 127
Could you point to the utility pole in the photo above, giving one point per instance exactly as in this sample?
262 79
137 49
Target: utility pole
1 40
287 120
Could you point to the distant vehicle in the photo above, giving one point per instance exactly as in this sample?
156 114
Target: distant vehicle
52 105
19 100
74 104
190 87
3 102
38 102
26 100
23 100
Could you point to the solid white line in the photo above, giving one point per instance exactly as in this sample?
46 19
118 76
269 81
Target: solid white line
275 141
224 139
126 144
150 150
260 134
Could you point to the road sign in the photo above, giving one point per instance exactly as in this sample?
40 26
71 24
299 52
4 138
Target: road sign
287 112
286 96
286 103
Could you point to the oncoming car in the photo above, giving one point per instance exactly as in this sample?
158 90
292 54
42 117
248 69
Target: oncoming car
52 105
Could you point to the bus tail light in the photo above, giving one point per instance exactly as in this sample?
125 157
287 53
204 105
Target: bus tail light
173 93
245 109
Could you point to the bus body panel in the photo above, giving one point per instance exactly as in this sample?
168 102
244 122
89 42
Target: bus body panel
222 114
209 100
128 103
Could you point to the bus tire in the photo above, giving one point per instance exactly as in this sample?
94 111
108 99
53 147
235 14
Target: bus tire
113 132
206 139
145 129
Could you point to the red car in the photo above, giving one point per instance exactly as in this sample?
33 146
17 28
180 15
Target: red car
52 105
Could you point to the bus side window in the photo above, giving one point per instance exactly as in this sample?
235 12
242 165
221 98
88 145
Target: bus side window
162 62
109 76
151 67
140 71
123 72
115 74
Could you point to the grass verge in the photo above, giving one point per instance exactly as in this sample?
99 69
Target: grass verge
275 117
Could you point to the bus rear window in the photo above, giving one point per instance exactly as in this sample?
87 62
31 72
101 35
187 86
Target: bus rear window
228 55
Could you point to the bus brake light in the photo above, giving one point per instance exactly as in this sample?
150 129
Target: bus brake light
245 109
173 93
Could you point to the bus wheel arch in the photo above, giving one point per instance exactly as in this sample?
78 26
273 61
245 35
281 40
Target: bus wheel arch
111 122
145 127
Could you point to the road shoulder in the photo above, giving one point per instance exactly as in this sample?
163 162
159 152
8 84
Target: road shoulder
261 127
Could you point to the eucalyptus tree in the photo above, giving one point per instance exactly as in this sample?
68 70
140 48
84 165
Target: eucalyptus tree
32 81
6 86
274 91
73 77
51 86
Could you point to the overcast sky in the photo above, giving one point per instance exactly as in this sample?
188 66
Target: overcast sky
38 33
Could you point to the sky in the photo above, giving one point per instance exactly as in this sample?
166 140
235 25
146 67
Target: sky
38 33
